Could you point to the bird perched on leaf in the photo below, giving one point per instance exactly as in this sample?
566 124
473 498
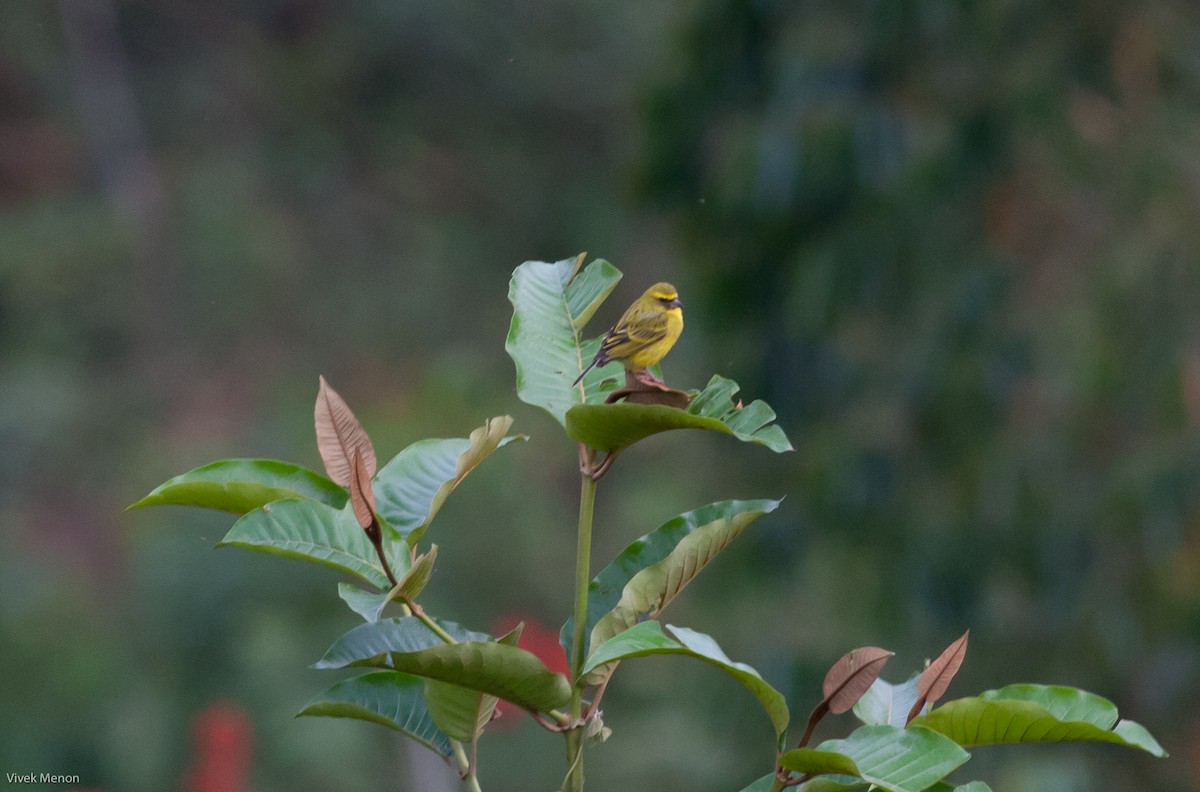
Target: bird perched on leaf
645 333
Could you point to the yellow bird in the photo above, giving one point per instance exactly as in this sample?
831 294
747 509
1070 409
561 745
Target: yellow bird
646 332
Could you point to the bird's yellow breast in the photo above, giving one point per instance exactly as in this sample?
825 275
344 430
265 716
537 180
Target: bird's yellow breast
652 353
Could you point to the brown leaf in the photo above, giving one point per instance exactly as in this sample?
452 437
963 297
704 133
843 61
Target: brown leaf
851 676
362 497
846 683
339 435
644 388
936 678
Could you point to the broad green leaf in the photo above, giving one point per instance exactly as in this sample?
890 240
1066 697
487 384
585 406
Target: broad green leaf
551 302
653 588
651 638
460 712
411 488
609 427
476 663
828 783
243 485
312 531
898 760
761 785
375 640
887 704
811 760
1036 713
973 786
725 518
390 698
368 604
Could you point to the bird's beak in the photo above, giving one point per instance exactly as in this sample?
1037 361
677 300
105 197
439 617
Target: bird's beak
675 303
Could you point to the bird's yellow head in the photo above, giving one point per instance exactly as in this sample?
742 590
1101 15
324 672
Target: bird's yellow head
665 295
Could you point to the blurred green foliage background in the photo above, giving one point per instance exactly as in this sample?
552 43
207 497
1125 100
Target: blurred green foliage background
953 243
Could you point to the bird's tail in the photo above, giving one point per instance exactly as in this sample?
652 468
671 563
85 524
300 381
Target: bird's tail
585 371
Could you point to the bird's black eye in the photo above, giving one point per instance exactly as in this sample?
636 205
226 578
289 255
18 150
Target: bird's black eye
666 300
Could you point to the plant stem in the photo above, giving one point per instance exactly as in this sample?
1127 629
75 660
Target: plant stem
583 555
420 613
777 785
466 766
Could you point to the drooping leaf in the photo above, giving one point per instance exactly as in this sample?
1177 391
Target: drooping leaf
936 678
312 531
609 427
551 302
482 665
887 704
460 712
651 638
243 485
605 591
846 682
339 436
898 760
651 589
368 604
390 698
411 488
1036 713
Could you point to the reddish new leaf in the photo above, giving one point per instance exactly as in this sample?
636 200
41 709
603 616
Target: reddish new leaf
936 678
847 681
851 676
362 497
339 436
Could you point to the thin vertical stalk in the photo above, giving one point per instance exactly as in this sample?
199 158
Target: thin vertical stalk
583 555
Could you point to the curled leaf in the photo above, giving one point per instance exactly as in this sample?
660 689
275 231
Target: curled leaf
362 498
339 435
936 678
417 578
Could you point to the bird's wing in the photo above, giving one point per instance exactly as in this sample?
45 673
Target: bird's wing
632 335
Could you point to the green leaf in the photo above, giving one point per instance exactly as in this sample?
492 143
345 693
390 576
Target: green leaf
973 786
827 783
609 427
898 760
476 663
368 604
551 302
312 531
653 588
411 488
1036 713
649 638
811 760
390 698
887 704
463 713
761 785
375 640
724 518
242 485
